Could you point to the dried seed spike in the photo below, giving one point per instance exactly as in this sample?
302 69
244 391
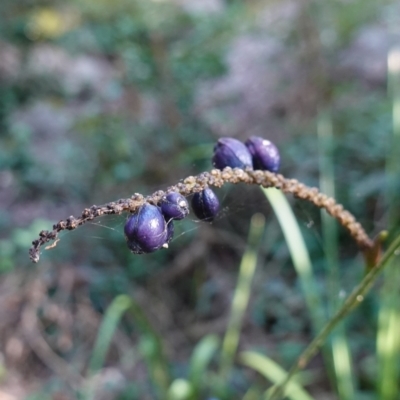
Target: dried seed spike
213 178
51 246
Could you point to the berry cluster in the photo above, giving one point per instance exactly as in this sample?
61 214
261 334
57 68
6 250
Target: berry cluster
216 177
255 152
152 227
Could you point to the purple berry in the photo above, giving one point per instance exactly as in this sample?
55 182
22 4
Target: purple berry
174 206
146 231
265 154
229 152
205 204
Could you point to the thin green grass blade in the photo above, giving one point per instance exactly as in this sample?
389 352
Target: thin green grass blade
242 294
151 348
388 338
150 345
108 326
253 394
202 355
342 364
298 252
274 373
388 351
341 356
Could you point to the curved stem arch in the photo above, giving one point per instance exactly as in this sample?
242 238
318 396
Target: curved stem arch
217 178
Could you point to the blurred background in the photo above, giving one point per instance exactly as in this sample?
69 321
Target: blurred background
101 99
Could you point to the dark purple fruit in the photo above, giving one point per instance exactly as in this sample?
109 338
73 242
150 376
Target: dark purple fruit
229 152
205 204
174 206
146 231
265 154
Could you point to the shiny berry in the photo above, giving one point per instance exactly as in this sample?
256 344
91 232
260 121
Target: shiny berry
174 206
205 204
265 154
146 231
229 152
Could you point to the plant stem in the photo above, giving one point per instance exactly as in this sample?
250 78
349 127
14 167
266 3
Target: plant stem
354 299
194 184
299 254
388 343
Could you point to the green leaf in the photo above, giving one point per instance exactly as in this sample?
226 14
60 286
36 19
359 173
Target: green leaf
201 358
274 373
298 252
107 329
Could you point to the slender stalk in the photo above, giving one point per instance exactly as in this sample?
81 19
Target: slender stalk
388 341
194 184
299 255
352 301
